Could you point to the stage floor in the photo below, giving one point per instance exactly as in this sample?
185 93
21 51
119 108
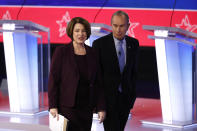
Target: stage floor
144 109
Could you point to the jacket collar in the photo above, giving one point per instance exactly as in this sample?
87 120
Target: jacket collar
88 57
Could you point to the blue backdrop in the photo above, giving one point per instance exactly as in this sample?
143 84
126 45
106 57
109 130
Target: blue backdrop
166 4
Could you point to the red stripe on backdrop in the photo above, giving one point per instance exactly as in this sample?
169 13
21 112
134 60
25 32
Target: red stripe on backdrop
56 19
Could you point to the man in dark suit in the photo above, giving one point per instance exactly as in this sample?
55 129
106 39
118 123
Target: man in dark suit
118 59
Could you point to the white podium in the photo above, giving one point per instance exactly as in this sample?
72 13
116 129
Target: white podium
176 63
26 64
98 30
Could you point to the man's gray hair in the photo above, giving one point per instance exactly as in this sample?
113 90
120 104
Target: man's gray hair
119 13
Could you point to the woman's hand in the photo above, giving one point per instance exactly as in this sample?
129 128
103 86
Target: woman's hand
54 113
101 116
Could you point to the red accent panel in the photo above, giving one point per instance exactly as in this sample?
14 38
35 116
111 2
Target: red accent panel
51 16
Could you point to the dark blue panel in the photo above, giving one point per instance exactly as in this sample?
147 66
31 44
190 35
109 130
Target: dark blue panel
166 4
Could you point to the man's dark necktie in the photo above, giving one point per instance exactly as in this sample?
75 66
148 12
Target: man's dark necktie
121 60
121 56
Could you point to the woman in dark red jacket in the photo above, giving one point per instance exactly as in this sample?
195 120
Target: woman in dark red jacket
75 87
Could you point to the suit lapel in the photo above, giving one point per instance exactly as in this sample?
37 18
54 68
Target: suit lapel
89 61
72 59
129 48
112 49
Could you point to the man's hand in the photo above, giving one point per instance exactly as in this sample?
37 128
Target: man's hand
54 113
101 116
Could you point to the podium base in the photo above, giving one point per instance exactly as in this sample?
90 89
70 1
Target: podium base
40 112
158 122
95 116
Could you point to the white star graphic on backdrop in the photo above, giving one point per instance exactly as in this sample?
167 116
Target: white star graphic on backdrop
185 24
63 24
6 16
131 28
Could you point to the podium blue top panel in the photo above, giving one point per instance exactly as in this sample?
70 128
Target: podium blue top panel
24 25
171 30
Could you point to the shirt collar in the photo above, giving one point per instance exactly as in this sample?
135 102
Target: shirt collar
116 41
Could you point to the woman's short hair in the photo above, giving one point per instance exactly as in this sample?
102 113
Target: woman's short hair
71 24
